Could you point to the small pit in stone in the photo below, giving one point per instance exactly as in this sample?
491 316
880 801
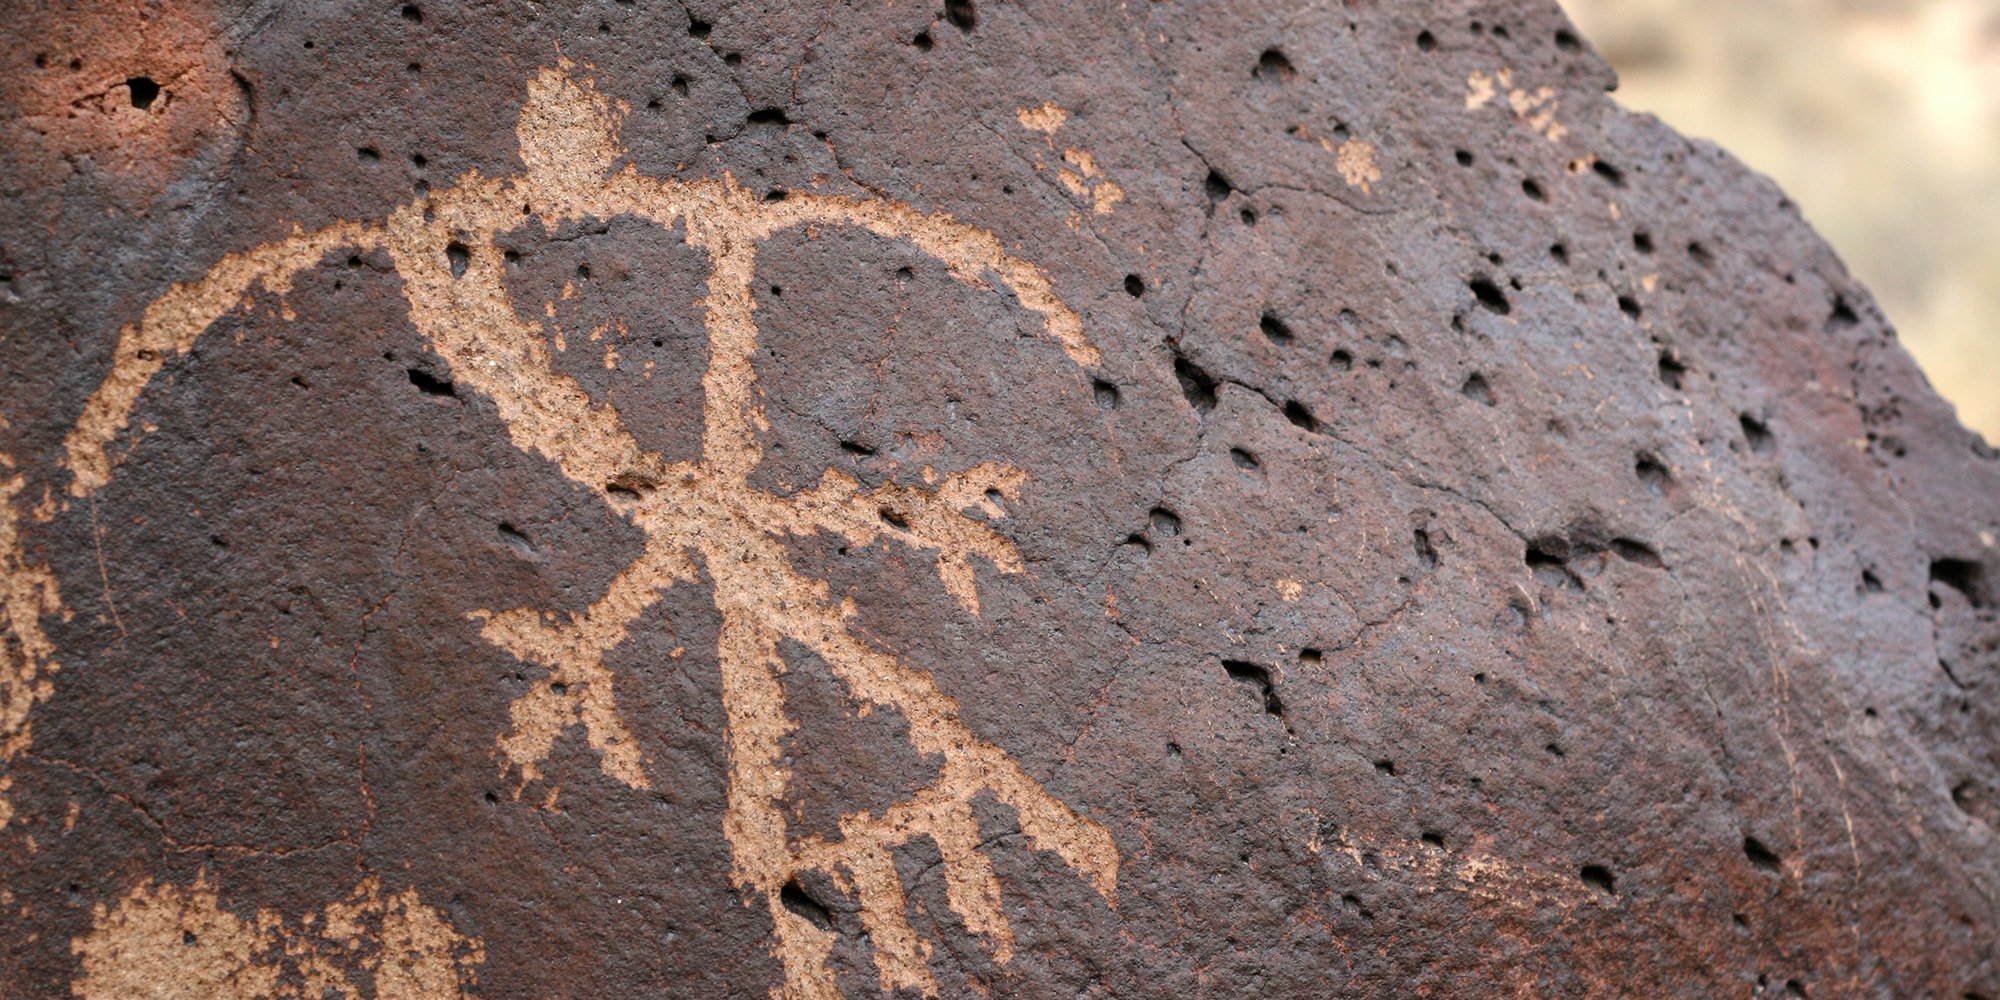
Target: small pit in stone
1672 371
1105 394
1197 386
144 90
431 385
1216 186
1274 67
1301 417
1653 474
1477 389
796 899
1963 575
1757 434
1760 857
1274 329
1420 541
1547 564
1637 553
962 15
1259 677
1599 877
517 540
1489 295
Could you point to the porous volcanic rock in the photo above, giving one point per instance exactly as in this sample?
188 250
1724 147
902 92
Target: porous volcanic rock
1007 498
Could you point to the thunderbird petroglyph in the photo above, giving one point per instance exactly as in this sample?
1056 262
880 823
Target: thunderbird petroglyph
696 515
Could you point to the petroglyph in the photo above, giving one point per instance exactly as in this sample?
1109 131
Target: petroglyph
696 515
1045 119
1475 872
27 658
178 943
1080 175
1537 108
1354 158
1088 181
1356 161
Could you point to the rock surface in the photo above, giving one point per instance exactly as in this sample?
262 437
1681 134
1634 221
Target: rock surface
1881 119
1008 499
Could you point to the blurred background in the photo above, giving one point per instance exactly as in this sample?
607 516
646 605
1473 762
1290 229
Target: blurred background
1881 118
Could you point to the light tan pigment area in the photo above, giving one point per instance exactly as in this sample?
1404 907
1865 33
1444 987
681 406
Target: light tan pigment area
167 942
699 515
27 657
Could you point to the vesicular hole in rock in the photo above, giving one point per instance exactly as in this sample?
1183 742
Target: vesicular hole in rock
1598 877
1672 372
1761 857
1653 474
1963 575
1105 394
795 899
1258 677
1273 67
1300 417
1756 434
1477 390
431 385
1216 186
1196 385
1426 553
143 90
1489 295
961 14
1274 329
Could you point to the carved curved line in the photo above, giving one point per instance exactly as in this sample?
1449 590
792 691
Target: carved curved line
591 446
172 324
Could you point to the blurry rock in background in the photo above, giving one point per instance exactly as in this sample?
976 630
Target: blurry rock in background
1881 118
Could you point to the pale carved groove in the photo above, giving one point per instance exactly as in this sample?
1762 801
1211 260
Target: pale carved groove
699 515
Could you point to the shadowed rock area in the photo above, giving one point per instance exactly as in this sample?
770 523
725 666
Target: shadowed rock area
1000 499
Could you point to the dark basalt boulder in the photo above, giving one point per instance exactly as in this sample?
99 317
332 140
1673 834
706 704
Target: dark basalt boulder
1015 499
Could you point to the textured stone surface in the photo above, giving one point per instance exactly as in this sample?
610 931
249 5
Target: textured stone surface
1881 119
1007 500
